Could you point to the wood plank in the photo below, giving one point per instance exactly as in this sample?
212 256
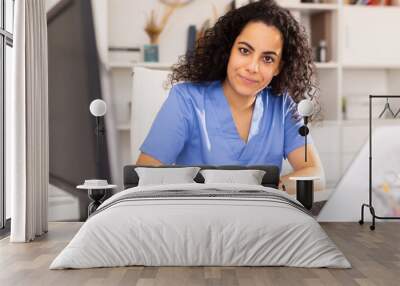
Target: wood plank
374 255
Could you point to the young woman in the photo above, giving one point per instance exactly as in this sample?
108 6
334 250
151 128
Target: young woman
236 103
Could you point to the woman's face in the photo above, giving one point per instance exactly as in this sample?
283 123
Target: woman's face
255 58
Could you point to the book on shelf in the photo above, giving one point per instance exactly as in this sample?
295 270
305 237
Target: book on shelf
372 2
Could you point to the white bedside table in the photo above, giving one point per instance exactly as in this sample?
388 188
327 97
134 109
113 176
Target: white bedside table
96 194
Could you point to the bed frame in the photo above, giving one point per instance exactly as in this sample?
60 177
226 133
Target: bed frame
270 179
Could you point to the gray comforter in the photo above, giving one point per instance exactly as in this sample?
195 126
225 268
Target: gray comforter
201 224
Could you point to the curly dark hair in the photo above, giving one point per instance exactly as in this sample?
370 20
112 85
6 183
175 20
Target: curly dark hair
209 60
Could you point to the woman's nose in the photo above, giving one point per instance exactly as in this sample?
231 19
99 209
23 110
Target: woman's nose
253 65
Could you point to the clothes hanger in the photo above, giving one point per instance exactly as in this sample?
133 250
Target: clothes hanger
397 113
387 107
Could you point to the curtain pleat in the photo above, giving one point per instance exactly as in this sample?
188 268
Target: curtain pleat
29 199
15 130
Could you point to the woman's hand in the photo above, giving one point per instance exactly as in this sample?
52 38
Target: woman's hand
281 186
312 167
147 160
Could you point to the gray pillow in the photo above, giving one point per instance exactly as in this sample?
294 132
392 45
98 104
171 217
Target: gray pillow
164 176
248 177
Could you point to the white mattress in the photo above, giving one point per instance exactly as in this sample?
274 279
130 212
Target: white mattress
183 231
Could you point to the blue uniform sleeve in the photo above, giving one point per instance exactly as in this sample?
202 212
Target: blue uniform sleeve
170 129
293 121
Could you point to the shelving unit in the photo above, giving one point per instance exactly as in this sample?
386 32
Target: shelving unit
362 60
355 67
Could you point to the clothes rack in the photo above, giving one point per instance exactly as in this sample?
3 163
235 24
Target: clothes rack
370 205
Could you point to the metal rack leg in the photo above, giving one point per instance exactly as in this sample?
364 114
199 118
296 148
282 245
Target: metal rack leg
361 221
372 210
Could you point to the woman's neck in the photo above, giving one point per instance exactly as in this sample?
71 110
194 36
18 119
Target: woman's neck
237 101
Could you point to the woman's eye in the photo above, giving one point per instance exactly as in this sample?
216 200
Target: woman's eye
268 59
244 51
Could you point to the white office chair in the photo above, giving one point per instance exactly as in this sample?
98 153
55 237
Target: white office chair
149 93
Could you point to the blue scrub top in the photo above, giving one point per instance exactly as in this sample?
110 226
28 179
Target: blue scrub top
195 127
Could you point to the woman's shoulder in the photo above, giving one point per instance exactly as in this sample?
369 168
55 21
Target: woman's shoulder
283 98
192 92
192 88
283 102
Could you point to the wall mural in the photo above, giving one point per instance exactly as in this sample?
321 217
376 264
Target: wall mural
145 39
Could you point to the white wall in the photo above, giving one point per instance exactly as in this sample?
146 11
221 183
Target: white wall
100 19
62 206
352 191
50 4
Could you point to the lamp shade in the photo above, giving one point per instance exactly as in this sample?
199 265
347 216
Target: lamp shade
305 108
98 107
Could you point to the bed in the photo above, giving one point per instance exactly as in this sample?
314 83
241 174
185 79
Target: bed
201 224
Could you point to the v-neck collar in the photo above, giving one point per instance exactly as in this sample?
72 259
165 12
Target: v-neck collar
224 114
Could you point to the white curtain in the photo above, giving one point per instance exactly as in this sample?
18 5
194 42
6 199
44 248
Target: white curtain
27 160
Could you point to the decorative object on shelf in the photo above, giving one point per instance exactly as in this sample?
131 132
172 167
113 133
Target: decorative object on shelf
343 101
98 108
372 2
191 39
321 54
305 109
97 190
370 205
151 53
176 3
305 190
154 28
311 1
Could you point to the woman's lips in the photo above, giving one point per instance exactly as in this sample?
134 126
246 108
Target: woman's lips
247 80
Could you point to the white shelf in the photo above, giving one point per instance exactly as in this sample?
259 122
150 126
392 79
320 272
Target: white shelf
155 65
124 127
327 65
370 66
131 65
375 122
120 64
310 7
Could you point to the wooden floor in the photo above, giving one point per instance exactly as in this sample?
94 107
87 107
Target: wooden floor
374 255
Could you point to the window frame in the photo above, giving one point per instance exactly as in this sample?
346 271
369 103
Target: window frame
6 39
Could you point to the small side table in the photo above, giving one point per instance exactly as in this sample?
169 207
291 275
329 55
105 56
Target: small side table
96 194
305 190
